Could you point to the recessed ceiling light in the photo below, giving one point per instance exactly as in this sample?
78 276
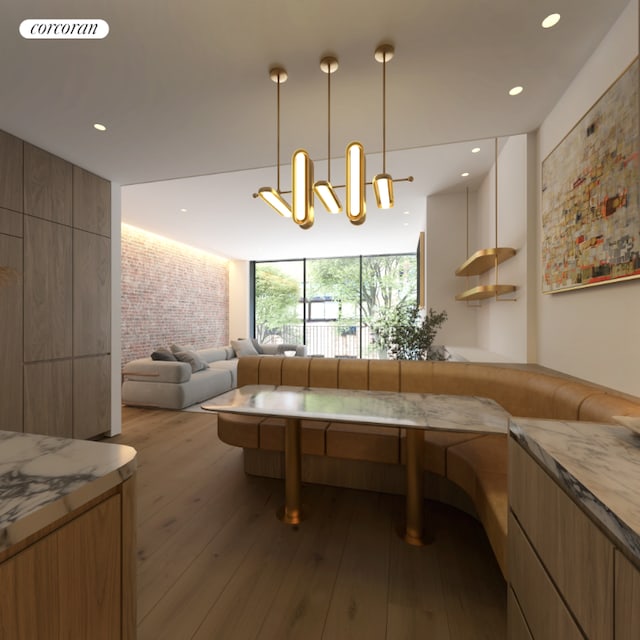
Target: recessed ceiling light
551 21
514 91
405 224
464 175
406 213
475 150
183 210
99 127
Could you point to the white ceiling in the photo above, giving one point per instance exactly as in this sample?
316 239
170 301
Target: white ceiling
184 91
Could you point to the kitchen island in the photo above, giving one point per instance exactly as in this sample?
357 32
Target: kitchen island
67 538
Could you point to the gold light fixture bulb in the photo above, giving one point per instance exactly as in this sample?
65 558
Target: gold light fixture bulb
275 201
383 189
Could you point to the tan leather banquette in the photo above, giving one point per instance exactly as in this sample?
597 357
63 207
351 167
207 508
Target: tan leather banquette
370 457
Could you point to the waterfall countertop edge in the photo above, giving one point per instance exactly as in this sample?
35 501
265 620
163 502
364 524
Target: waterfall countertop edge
43 478
597 465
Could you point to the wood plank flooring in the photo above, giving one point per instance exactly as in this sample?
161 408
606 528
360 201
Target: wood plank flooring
215 563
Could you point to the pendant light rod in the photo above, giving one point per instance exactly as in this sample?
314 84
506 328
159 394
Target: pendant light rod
329 65
383 54
279 76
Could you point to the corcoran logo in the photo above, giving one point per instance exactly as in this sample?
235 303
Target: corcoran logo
53 29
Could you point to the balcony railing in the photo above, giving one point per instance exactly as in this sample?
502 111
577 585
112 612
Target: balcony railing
329 339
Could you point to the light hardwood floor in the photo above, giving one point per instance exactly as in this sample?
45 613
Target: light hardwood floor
215 563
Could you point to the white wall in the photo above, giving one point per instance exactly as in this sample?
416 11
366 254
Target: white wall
239 305
503 324
592 333
446 250
116 375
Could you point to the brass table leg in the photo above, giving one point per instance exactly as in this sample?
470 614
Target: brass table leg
292 512
415 488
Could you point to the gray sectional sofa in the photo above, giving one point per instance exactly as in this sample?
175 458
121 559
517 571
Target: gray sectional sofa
179 384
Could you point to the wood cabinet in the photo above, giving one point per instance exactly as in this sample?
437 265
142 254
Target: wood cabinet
91 396
11 333
48 398
11 160
91 202
76 579
48 290
627 599
48 186
91 294
55 227
546 614
569 579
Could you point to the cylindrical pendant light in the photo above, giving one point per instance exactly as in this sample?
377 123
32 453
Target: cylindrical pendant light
323 188
383 182
356 205
302 180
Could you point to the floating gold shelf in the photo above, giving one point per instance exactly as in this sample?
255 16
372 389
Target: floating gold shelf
483 260
485 291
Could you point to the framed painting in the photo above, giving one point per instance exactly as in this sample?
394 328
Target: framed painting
591 195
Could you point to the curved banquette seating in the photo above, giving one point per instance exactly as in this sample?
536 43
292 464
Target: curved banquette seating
371 457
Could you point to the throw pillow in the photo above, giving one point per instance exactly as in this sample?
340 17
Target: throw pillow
243 348
256 345
180 347
197 363
163 354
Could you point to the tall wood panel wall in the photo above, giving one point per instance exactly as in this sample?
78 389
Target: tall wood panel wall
55 294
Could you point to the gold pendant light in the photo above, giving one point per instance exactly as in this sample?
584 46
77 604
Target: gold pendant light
323 188
303 186
383 182
273 197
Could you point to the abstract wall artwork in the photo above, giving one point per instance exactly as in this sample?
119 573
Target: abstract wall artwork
591 195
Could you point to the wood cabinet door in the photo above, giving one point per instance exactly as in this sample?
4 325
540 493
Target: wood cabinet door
627 599
90 573
48 309
48 186
91 294
11 333
48 404
91 396
91 202
69 583
576 554
11 159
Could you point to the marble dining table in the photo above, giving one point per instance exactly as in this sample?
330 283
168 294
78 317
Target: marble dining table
416 412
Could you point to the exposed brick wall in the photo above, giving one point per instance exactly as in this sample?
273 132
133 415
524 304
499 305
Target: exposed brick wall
170 293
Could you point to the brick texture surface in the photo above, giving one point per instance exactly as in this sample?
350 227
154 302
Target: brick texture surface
171 293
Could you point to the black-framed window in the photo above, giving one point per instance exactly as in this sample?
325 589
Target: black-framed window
329 304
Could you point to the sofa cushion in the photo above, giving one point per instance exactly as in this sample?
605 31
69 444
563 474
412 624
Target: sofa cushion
181 347
239 430
163 355
212 355
167 395
243 348
256 346
227 365
148 370
197 363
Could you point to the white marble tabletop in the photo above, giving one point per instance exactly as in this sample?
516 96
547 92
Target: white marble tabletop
598 465
44 478
412 410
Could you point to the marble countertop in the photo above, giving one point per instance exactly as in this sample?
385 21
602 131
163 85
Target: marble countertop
598 465
43 478
412 410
